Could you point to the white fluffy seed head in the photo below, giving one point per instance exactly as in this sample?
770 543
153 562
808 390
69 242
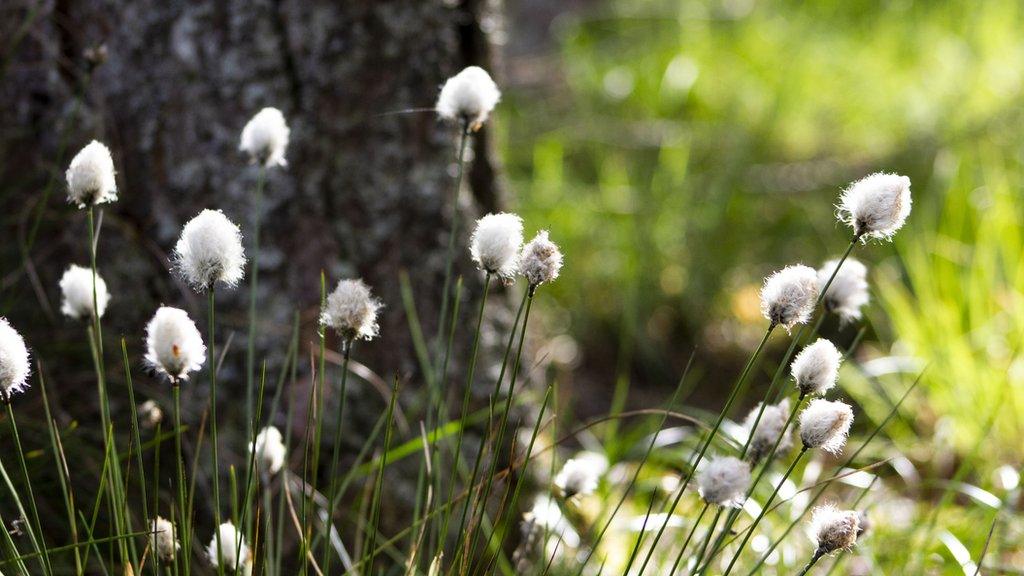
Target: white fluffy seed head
265 138
541 260
834 530
232 549
14 361
76 293
495 244
174 346
773 420
848 292
816 368
578 477
469 96
825 424
150 414
210 251
163 540
91 176
788 296
724 481
876 206
269 449
351 310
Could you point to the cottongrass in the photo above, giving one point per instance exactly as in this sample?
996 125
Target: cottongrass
265 138
270 450
788 296
174 346
816 368
15 365
163 540
848 293
770 430
724 482
228 546
210 251
76 287
90 177
352 310
825 425
577 478
495 244
469 96
876 206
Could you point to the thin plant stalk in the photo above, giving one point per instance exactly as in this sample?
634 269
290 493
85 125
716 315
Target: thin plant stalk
454 229
331 500
63 474
814 560
211 327
35 532
764 510
707 441
375 511
184 531
250 358
707 538
467 393
250 475
135 433
504 416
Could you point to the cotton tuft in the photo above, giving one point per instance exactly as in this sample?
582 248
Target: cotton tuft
352 310
270 450
469 96
876 206
174 346
90 176
210 251
233 550
150 414
833 530
265 138
789 295
541 260
816 368
724 481
495 244
825 424
578 477
773 420
14 361
848 292
76 293
163 540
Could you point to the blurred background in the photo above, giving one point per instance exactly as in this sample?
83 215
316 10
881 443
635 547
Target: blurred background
678 151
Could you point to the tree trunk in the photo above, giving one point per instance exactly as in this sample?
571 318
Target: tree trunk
168 86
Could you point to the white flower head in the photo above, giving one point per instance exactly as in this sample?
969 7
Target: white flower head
265 138
826 424
91 176
848 292
231 549
724 481
578 477
495 244
547 515
540 260
76 293
773 420
174 346
210 251
788 296
270 450
816 368
150 414
14 361
876 206
163 540
833 530
352 310
469 96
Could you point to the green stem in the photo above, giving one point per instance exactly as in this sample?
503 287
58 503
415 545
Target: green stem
36 533
183 522
692 531
250 359
331 500
211 327
707 538
375 512
814 560
250 475
453 232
